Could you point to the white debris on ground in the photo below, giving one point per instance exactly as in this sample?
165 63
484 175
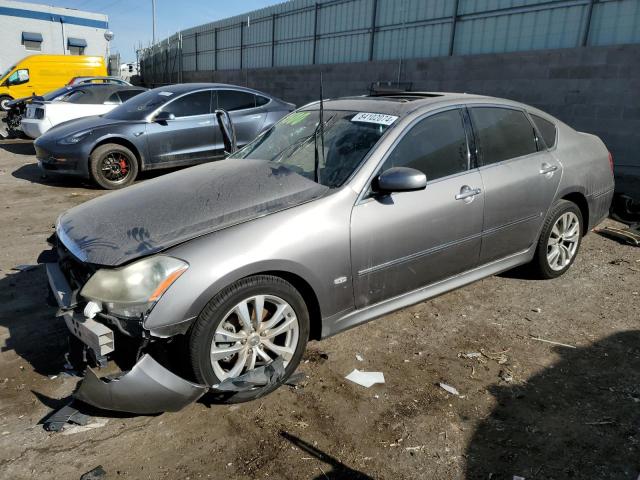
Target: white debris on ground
365 379
450 389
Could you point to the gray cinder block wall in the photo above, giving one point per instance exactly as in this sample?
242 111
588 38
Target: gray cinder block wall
593 89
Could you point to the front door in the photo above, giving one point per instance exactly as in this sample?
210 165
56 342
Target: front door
192 137
246 115
520 180
408 240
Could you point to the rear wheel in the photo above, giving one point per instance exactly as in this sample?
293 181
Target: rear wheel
4 100
113 166
559 241
248 325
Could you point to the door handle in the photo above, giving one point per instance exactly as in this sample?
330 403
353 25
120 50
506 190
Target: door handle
546 168
467 193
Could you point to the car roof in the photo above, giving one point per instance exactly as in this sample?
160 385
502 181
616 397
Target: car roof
398 104
180 88
101 91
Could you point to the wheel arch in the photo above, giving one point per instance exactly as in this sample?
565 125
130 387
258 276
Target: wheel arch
581 201
123 142
308 295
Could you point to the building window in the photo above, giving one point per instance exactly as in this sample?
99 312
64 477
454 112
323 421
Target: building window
76 46
32 41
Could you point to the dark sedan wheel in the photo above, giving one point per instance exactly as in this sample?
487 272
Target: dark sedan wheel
248 325
559 241
113 166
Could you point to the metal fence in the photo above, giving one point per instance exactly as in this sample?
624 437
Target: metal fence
307 32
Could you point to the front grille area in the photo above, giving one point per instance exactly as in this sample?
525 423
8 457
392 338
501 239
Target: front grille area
76 272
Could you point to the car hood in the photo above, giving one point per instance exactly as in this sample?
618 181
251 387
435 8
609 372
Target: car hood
71 127
152 216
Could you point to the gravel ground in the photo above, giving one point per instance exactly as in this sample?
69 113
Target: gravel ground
526 407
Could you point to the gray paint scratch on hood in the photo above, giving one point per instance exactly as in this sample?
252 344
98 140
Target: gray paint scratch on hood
152 216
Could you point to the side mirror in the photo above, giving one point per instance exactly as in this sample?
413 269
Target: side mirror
162 117
400 179
228 131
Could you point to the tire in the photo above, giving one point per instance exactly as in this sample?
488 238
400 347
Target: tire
219 316
4 99
117 158
545 265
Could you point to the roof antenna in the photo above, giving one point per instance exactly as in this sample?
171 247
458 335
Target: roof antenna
321 130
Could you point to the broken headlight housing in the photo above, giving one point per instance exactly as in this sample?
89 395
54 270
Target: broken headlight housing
131 291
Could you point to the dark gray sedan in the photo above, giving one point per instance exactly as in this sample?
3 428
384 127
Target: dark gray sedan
171 126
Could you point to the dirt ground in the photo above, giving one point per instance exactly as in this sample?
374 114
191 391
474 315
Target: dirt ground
526 407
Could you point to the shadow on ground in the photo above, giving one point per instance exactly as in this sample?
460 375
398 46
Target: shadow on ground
18 147
334 470
578 419
33 331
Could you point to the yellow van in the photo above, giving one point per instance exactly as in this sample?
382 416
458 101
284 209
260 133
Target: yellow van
39 74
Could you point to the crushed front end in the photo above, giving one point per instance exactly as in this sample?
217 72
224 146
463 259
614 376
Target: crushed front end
103 331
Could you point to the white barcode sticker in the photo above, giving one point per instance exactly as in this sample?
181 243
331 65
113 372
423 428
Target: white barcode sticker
379 118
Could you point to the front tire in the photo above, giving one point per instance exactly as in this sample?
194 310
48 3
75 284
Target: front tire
559 241
247 325
4 100
113 166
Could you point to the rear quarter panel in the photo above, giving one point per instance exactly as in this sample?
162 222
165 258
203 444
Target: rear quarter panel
586 170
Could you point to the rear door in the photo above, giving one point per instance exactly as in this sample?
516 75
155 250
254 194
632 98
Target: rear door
247 116
520 178
192 137
404 241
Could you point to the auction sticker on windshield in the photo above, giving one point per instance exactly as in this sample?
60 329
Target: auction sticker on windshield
378 118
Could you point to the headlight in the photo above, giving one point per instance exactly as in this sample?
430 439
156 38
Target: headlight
75 138
132 290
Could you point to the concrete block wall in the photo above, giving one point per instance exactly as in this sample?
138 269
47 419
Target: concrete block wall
593 89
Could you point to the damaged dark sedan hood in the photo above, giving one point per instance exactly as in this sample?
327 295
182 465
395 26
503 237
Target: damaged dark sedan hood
154 215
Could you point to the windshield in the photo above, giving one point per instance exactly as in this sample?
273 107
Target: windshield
56 93
6 72
140 106
348 137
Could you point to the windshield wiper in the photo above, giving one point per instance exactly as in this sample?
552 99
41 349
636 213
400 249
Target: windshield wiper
320 128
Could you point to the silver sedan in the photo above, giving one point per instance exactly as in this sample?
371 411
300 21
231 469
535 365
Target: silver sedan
338 214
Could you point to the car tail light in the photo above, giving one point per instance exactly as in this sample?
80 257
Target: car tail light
611 161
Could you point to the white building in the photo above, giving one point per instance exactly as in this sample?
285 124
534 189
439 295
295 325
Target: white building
30 28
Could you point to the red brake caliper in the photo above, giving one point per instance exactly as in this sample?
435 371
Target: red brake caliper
123 166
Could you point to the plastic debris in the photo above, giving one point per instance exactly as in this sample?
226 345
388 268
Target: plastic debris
258 377
97 473
536 310
450 389
99 423
365 379
505 376
67 414
470 355
359 357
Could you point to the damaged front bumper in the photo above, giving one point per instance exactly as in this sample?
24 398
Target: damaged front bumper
147 388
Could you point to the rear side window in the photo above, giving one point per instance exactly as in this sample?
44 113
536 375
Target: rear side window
113 99
260 100
198 103
502 134
437 146
231 100
546 128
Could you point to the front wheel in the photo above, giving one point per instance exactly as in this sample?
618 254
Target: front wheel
113 166
559 241
248 325
4 103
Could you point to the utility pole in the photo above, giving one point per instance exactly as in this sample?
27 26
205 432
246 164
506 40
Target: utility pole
153 14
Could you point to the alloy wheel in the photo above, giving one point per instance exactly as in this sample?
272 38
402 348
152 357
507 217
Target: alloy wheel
252 334
563 241
116 167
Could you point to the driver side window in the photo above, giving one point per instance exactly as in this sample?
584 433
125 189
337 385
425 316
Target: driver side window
198 103
19 77
436 145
